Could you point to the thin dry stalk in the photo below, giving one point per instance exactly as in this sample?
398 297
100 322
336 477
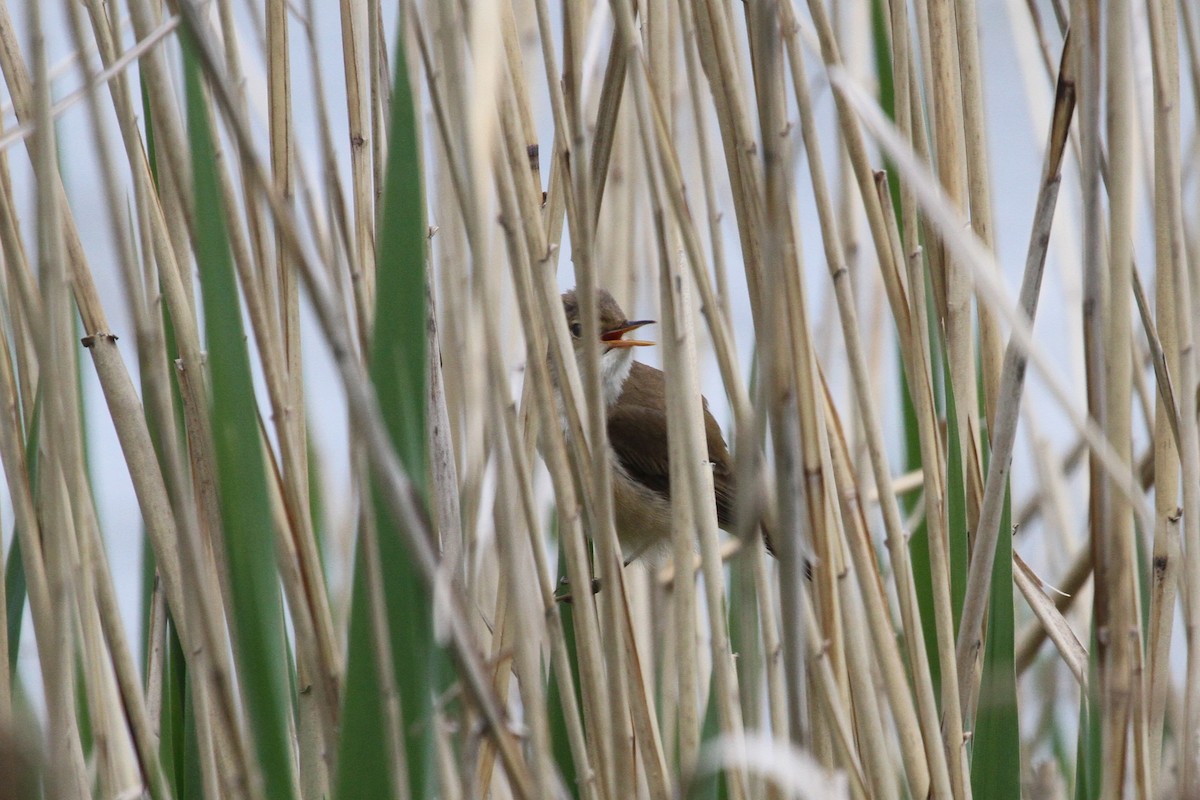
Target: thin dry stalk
1164 38
55 344
591 661
362 256
628 707
1118 629
966 248
1008 401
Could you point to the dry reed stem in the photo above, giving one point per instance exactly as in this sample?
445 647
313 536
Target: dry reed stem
94 562
1008 402
688 450
1164 37
1118 629
623 673
362 256
396 489
867 414
874 600
591 661
56 642
940 215
1052 622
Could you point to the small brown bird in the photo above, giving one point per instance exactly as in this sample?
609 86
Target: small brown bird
635 396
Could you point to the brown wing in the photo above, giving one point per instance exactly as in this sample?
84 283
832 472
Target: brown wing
637 426
638 436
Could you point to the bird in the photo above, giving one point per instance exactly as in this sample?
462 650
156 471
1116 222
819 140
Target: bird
635 402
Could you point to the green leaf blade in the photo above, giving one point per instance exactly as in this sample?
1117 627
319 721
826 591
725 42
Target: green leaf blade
259 638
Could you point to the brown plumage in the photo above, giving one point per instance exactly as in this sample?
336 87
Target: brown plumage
635 399
637 433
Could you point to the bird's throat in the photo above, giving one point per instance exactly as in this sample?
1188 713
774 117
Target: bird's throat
614 369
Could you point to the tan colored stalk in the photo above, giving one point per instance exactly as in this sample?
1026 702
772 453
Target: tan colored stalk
1088 28
19 293
859 693
695 475
115 764
719 60
1007 400
891 262
1165 569
141 293
914 336
590 655
1165 388
914 747
265 284
159 515
934 470
155 656
204 592
132 703
500 657
362 256
175 172
59 421
868 415
520 90
627 707
979 186
827 695
458 199
768 612
712 208
685 505
318 662
204 602
549 605
93 560
945 95
1118 632
447 517
1052 622
793 407
450 784
1168 204
380 80
967 249
1066 589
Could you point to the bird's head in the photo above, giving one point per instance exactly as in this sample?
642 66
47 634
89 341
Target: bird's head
616 352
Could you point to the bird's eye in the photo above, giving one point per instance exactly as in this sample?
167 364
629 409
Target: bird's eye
576 329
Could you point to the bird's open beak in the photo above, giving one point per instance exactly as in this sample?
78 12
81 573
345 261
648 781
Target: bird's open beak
613 338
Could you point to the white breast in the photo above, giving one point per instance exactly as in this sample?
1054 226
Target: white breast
614 369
